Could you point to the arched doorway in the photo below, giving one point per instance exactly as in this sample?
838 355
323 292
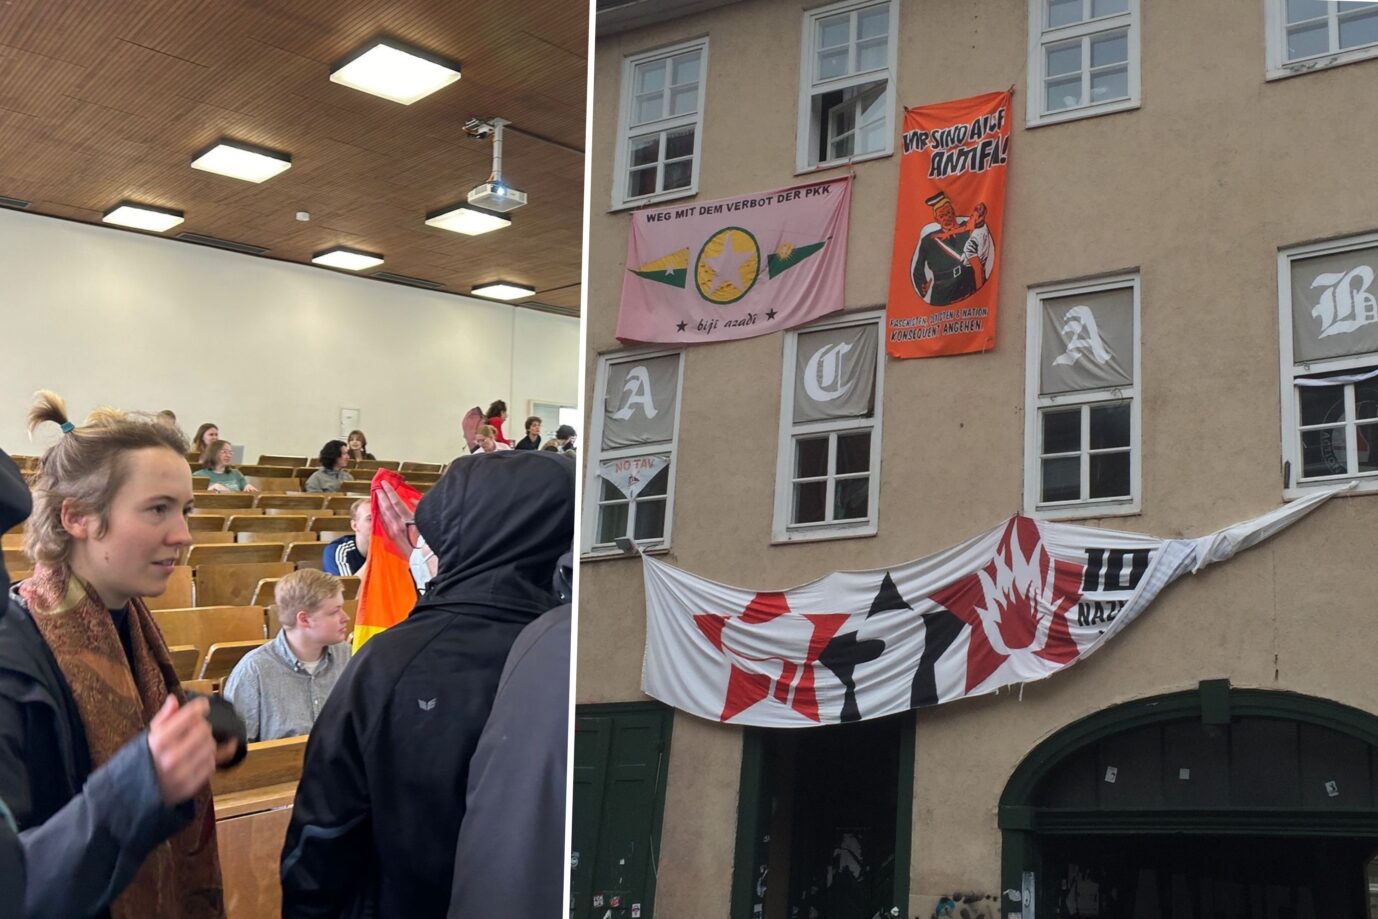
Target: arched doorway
1218 803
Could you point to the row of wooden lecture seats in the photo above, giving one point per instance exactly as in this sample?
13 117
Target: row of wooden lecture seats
220 575
238 539
289 461
286 479
295 461
357 488
258 475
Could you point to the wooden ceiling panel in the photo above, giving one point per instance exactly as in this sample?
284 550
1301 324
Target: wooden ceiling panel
142 83
105 101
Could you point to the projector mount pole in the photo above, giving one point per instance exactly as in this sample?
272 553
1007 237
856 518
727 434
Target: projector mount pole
497 123
480 129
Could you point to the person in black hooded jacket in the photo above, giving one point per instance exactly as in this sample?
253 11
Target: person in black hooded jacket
382 794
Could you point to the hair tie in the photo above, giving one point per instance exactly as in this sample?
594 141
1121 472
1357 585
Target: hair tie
68 427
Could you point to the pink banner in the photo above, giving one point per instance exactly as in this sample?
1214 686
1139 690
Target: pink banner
738 267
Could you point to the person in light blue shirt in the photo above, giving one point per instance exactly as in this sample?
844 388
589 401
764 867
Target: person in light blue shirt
279 688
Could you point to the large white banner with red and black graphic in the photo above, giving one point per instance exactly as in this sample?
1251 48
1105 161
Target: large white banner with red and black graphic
1015 604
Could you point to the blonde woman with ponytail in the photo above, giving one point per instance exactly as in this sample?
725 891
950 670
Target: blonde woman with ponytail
102 758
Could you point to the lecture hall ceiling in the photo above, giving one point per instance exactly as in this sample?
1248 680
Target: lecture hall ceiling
104 101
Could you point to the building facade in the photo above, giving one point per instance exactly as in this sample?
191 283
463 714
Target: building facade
1197 175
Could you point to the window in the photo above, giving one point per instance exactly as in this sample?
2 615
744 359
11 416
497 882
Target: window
828 470
661 124
1329 346
632 467
1081 432
1083 58
846 101
1304 35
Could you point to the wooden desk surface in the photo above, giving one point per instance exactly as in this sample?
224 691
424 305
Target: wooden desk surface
270 762
254 800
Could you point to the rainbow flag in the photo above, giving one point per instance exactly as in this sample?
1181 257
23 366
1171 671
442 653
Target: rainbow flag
388 593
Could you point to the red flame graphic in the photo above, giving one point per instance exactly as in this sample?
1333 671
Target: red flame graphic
1017 602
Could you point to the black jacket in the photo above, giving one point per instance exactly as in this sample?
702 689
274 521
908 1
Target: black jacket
512 845
382 793
84 834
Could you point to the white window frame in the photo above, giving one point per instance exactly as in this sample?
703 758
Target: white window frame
1040 38
593 489
1034 403
808 131
1290 371
782 531
1275 18
621 165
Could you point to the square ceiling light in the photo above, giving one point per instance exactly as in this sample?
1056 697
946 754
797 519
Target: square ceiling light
467 219
142 217
241 161
393 70
502 290
346 258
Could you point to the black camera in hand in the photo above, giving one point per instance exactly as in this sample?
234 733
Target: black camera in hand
225 725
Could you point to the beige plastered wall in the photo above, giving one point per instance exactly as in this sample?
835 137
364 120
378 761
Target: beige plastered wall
1196 190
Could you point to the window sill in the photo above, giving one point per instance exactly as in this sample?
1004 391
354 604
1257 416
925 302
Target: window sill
620 206
841 164
1078 114
606 555
1362 486
1324 62
1085 511
821 535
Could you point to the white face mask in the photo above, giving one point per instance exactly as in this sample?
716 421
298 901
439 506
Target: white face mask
420 571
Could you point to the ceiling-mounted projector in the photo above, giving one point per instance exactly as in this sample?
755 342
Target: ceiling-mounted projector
495 196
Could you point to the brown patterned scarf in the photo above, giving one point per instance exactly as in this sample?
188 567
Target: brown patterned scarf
181 876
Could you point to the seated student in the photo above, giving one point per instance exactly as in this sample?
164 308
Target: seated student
215 465
332 474
346 555
496 415
488 441
532 440
358 447
206 434
564 438
279 688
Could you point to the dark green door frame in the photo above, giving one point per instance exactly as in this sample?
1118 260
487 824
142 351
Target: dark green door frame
753 816
1213 702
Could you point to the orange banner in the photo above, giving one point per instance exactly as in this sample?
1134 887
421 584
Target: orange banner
946 262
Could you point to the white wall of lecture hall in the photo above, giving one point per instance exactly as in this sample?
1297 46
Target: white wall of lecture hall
271 351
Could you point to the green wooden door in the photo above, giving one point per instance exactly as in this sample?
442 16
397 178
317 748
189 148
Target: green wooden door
620 758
